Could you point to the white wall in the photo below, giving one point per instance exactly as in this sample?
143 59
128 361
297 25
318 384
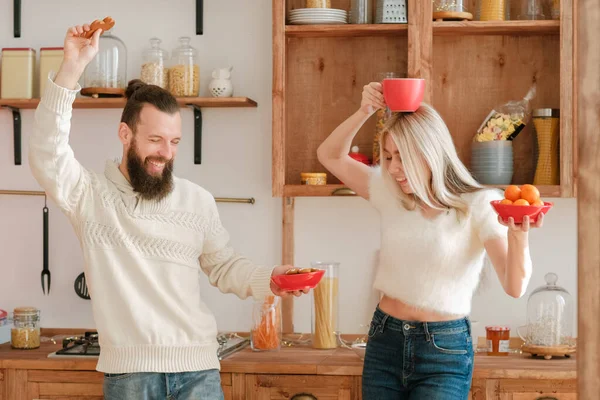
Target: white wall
236 163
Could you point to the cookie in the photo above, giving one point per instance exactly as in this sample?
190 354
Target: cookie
106 24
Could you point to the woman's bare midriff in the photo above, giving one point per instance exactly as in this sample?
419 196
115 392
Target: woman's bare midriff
403 311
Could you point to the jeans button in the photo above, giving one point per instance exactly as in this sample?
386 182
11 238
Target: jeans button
406 326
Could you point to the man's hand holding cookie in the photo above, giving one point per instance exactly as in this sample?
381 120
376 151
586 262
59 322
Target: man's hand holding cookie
80 47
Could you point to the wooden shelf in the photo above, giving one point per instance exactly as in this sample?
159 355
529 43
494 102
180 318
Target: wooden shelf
457 28
348 30
330 190
512 28
88 102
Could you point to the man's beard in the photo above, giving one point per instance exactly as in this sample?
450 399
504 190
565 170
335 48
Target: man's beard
148 186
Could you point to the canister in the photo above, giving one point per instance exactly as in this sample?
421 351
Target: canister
18 65
50 60
546 122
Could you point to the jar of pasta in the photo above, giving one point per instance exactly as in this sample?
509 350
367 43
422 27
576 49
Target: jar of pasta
25 333
325 303
184 72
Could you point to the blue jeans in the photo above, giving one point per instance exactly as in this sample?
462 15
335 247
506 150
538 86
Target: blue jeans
417 360
205 385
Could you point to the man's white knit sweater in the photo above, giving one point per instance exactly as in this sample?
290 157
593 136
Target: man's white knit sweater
142 258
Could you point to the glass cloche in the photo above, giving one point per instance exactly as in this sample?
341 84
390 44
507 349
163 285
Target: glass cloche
550 319
106 74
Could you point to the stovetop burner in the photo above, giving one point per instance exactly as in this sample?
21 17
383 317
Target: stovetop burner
86 345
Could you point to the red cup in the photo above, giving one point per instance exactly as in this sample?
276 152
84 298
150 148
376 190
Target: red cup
403 94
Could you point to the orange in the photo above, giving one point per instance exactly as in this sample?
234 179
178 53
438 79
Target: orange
512 193
530 193
506 201
538 203
521 202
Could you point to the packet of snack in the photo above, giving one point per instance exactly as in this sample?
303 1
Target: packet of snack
506 121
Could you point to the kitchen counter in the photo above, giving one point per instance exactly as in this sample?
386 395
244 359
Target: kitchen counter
304 360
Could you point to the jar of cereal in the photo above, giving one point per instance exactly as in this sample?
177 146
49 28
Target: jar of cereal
184 72
25 333
154 65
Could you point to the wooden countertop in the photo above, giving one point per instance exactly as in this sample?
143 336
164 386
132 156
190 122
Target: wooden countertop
305 360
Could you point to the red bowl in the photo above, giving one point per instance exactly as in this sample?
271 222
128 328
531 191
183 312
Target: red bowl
298 281
518 212
403 94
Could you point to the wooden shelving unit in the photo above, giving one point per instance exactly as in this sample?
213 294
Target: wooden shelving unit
470 68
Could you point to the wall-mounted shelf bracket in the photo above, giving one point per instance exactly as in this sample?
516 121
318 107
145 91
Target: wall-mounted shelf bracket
16 132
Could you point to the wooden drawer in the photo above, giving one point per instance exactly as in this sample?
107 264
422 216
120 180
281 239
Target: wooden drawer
301 387
48 384
531 389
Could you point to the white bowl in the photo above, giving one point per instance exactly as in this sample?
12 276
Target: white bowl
359 349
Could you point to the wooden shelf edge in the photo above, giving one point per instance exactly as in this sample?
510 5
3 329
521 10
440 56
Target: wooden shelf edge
328 190
512 28
84 102
312 190
348 30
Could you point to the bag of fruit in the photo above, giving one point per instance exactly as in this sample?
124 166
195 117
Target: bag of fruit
506 121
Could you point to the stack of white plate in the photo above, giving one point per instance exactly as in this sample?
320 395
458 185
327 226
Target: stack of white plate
314 16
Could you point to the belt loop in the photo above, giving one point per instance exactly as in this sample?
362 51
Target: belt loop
427 335
468 321
383 321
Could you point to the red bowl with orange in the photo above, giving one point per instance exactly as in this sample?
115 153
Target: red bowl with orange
518 212
403 94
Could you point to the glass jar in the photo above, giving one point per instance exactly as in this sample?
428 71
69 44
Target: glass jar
266 324
325 307
25 333
106 74
531 10
549 316
18 65
492 10
498 340
184 72
154 65
449 6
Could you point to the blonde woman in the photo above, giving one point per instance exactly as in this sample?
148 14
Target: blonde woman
436 226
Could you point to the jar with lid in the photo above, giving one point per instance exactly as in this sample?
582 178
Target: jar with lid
266 331
324 321
25 333
184 72
154 65
498 340
18 66
106 74
546 122
549 318
50 60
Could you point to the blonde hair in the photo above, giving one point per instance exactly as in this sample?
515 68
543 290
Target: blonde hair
424 141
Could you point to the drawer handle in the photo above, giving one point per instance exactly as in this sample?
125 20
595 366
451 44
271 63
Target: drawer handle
546 398
343 192
303 396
